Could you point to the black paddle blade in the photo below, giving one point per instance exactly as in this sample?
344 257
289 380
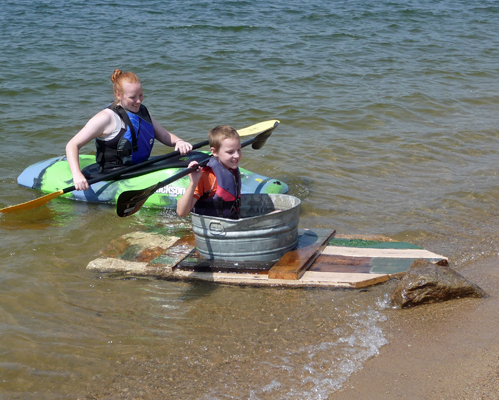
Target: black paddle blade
262 138
131 201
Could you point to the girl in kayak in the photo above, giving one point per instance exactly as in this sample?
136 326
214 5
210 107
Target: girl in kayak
124 132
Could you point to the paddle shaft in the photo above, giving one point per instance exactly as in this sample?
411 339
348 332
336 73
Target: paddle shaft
250 130
264 128
121 171
107 177
131 201
256 129
187 171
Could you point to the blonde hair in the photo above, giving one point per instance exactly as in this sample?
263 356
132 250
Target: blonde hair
119 78
219 133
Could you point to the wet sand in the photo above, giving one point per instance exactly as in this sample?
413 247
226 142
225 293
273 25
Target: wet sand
439 351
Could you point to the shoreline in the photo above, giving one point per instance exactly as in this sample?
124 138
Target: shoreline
446 350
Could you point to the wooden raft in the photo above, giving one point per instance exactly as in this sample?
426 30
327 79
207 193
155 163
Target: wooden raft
322 259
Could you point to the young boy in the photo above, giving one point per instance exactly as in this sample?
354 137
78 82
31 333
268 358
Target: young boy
216 189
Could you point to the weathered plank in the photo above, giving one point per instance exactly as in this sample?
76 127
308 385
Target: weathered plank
384 253
353 280
138 246
309 279
294 263
186 241
197 263
328 263
178 251
153 254
110 264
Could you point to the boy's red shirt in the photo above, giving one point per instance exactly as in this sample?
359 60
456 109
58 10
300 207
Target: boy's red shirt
207 184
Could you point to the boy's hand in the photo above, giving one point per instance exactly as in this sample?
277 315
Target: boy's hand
187 202
195 176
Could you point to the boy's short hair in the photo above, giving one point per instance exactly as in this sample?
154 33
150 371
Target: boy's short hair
219 133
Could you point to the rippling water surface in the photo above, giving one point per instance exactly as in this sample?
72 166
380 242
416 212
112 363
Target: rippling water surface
388 115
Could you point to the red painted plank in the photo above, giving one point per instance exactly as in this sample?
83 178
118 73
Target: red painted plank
182 246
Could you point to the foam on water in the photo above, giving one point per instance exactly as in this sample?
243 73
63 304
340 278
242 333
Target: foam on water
315 371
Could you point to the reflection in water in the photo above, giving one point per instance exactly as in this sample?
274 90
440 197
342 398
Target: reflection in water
56 213
36 219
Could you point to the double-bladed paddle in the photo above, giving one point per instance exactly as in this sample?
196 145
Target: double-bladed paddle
131 201
259 128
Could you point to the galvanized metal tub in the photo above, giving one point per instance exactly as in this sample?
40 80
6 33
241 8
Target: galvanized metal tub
268 228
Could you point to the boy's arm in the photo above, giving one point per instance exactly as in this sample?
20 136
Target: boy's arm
187 202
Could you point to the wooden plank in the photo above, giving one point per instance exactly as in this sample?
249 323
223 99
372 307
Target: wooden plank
293 264
223 277
139 246
195 262
384 253
309 279
328 263
372 244
110 264
342 280
187 240
180 249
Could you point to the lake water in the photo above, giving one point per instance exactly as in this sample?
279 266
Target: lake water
389 120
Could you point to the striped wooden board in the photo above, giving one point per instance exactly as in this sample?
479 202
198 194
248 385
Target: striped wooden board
361 256
322 259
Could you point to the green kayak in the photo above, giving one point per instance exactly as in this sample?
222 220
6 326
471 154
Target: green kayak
54 174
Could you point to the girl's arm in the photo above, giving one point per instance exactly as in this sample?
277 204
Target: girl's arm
101 124
169 139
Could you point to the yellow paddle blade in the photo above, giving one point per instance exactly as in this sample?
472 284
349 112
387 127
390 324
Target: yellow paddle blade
33 203
258 128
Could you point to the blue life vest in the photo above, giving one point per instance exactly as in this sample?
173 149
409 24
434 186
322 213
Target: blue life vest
226 201
132 145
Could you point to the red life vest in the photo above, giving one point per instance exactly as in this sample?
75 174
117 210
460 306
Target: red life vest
226 201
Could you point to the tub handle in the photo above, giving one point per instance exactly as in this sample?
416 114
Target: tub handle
216 228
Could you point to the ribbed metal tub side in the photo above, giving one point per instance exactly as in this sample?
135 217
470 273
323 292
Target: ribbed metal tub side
268 228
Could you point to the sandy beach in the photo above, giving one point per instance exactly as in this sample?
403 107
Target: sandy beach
448 350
